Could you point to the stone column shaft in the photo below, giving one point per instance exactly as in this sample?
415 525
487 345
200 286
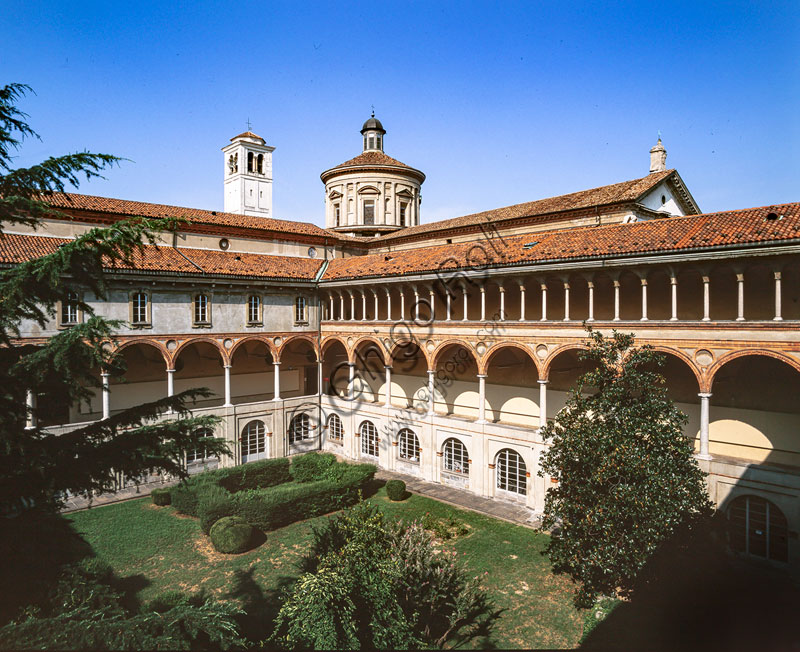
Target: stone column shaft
106 395
542 403
276 370
704 425
740 297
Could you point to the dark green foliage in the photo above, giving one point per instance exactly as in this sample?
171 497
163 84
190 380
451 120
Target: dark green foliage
285 504
161 497
375 585
311 466
214 503
396 489
628 480
232 535
88 609
254 475
38 467
184 498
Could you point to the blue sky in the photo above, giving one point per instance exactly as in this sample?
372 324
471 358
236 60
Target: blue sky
497 102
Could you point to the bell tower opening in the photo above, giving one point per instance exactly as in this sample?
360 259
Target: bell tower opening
248 175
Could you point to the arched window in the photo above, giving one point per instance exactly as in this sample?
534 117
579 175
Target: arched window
199 454
408 443
455 458
139 308
254 441
249 161
337 213
260 164
201 309
403 210
335 429
511 472
300 309
299 428
69 308
758 528
254 309
369 439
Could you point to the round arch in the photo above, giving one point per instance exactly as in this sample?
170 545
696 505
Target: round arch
544 369
437 352
295 338
254 338
680 355
507 345
329 341
401 344
734 355
198 340
373 340
147 342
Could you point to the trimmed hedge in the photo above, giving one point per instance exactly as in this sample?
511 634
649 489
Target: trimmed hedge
280 506
213 503
231 535
311 466
161 497
184 498
255 475
396 490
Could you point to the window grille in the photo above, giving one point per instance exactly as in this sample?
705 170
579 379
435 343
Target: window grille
511 472
299 428
199 454
758 528
253 309
335 428
69 309
455 459
369 439
300 309
254 438
201 308
408 445
140 308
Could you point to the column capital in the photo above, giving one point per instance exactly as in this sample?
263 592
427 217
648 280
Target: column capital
387 366
705 394
105 375
543 382
616 283
228 366
431 372
482 375
777 276
644 281
502 289
170 371
740 278
590 284
276 362
673 280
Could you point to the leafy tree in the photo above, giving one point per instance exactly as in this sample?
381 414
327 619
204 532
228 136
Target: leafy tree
36 466
374 585
628 480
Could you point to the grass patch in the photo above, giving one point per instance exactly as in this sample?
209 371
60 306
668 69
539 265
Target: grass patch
159 551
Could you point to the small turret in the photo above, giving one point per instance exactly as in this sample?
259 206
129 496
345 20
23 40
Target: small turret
658 157
373 133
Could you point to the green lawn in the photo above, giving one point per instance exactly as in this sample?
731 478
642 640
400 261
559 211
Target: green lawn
155 551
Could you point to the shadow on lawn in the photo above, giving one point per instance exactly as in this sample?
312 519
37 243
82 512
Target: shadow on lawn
703 598
260 606
34 549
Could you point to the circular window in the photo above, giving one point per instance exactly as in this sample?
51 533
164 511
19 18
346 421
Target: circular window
224 244
312 252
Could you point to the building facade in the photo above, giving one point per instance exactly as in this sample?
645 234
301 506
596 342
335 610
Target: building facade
439 350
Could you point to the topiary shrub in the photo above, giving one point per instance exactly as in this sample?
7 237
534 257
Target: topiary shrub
254 475
184 498
161 497
231 535
311 466
213 504
396 490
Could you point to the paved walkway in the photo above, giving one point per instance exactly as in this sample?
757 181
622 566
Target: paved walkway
460 498
76 503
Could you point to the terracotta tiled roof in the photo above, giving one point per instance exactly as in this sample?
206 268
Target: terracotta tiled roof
248 134
264 226
371 157
15 248
627 191
694 232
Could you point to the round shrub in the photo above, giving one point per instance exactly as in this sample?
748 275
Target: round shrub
161 497
396 490
231 535
311 466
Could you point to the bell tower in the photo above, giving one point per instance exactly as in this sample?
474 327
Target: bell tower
248 175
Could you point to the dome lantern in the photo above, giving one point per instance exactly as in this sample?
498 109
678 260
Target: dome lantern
373 133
